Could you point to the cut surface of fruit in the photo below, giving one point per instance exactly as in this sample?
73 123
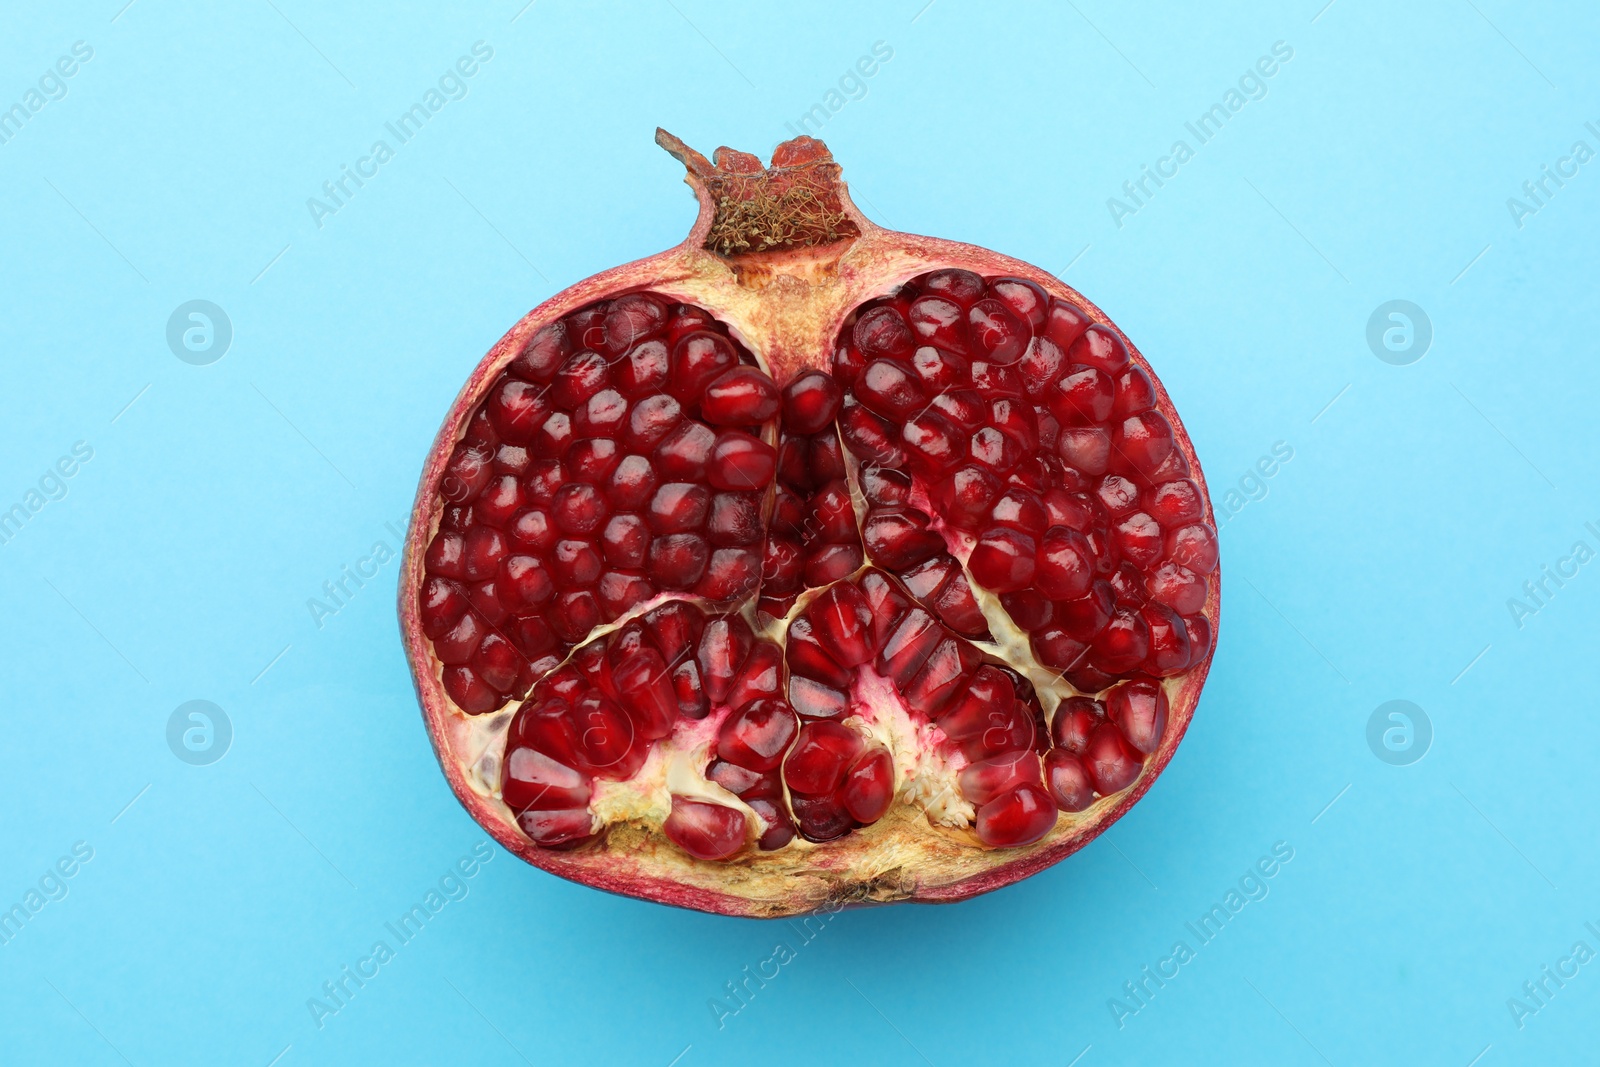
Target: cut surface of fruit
808 563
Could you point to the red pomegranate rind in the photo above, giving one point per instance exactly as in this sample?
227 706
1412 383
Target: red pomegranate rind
807 306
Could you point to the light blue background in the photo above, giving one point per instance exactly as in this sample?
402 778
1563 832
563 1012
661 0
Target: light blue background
1378 566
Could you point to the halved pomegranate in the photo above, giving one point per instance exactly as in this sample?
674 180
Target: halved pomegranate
808 563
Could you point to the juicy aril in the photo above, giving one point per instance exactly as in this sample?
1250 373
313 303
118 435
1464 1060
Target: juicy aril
807 562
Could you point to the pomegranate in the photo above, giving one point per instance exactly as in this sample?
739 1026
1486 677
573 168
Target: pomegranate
808 563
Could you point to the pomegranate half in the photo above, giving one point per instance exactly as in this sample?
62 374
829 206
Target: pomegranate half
807 564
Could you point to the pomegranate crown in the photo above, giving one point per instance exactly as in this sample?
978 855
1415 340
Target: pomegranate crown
796 202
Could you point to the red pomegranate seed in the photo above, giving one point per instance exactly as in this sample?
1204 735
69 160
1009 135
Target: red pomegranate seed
1193 547
757 736
1174 503
732 777
1003 560
1017 818
1100 347
998 334
821 754
987 779
443 602
684 452
470 693
552 828
703 830
1067 779
643 370
697 359
1139 709
821 818
535 781
811 402
723 646
740 461
1113 763
546 350
780 828
1065 568
842 620
889 388
652 419
1134 393
1169 641
739 397
1075 717
882 332
869 786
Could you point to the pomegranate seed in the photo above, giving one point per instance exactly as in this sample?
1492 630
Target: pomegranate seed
882 332
757 736
740 461
442 604
546 350
1087 449
553 438
739 397
643 370
1169 641
732 777
821 754
697 359
997 332
1075 717
1174 503
469 692
1134 393
1068 781
631 319
1098 346
843 621
938 321
1193 547
705 831
1003 560
988 779
684 452
821 818
811 402
1139 709
869 786
647 693
962 286
535 781
551 828
723 646
890 389
1113 764
652 418
1144 440
1017 818
780 828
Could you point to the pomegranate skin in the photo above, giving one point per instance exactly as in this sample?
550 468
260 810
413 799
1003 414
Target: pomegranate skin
789 304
